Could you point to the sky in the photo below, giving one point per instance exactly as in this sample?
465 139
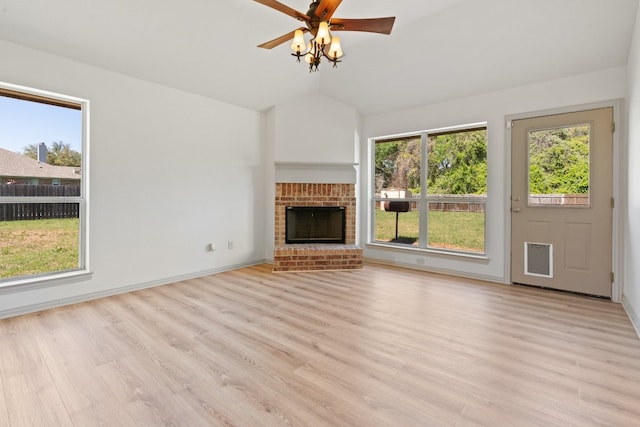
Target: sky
23 123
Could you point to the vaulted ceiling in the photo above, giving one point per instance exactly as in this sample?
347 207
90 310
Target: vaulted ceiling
438 49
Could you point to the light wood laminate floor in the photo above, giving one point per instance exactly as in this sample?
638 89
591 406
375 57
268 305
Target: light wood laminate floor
376 347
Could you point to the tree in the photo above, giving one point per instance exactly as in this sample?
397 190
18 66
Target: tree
407 169
60 154
397 164
386 154
457 163
559 161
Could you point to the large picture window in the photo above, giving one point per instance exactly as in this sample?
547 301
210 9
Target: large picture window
430 190
43 170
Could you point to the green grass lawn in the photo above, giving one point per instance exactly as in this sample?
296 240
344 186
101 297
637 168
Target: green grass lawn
38 246
462 231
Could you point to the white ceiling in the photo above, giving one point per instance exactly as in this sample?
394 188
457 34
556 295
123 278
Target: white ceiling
438 49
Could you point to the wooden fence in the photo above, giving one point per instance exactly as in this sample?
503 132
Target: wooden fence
450 203
26 190
457 203
29 211
559 199
477 203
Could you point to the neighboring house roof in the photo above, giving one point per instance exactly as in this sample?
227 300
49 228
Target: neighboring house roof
18 166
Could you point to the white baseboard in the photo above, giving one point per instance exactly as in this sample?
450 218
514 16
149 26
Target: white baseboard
633 314
456 273
121 290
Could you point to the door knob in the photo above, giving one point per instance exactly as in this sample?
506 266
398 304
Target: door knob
515 210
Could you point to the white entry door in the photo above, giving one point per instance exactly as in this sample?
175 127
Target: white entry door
561 201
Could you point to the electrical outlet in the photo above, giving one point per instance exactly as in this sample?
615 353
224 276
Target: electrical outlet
230 244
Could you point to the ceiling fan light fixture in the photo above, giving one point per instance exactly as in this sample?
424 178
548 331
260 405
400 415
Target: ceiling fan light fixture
311 52
308 58
322 36
298 44
335 50
319 20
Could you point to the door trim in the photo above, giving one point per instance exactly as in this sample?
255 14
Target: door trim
618 180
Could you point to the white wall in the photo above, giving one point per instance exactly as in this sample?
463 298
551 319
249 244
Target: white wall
170 172
492 108
315 129
631 220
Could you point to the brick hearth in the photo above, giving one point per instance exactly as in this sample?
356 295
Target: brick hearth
307 257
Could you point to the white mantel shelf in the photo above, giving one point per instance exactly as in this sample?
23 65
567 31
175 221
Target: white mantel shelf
316 173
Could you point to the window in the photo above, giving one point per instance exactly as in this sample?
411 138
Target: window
43 197
559 166
429 190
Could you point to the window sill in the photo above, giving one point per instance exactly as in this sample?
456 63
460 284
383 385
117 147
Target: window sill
437 252
29 283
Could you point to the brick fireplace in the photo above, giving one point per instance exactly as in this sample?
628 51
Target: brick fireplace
315 256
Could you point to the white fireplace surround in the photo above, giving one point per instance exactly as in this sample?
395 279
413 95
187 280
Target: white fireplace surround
316 173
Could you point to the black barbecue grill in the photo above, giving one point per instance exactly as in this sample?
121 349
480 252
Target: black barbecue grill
397 207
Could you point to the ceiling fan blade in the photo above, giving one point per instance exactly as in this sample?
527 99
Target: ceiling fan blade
326 8
284 9
370 25
278 41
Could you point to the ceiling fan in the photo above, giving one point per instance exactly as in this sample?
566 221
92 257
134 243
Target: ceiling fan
319 22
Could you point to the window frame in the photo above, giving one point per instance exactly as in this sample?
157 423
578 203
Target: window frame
422 202
83 271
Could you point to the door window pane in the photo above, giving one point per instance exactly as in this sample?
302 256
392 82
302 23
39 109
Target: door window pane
559 166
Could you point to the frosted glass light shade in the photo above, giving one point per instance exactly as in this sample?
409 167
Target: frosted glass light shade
310 52
298 43
335 51
322 36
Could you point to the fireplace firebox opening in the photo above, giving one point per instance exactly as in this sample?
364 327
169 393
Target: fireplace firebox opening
315 224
